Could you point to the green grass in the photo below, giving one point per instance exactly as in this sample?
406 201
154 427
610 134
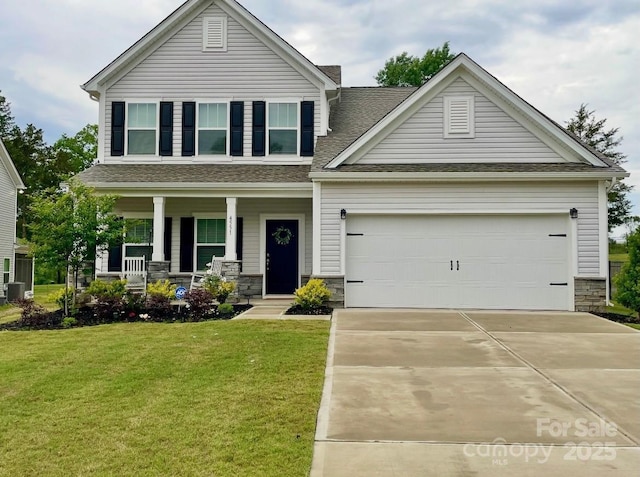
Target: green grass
216 398
621 310
40 295
619 257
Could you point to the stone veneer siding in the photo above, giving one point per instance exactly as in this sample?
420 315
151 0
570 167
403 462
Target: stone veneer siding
590 294
336 287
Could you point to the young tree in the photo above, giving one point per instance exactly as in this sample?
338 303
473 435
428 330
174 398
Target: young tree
628 280
406 70
68 228
593 132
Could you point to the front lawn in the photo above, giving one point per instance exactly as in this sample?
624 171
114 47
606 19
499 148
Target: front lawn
213 398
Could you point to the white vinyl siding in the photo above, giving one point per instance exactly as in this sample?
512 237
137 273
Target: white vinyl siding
7 219
424 198
497 136
248 209
180 71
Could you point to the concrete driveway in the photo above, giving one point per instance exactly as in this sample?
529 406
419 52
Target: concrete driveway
448 393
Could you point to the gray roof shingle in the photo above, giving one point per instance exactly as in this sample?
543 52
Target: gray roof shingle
193 173
358 111
332 71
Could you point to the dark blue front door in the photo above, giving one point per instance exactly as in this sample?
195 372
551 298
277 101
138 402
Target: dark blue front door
282 257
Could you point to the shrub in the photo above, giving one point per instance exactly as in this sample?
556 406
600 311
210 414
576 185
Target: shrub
312 295
101 289
158 307
34 315
628 280
219 287
69 322
58 297
225 309
110 303
162 288
200 303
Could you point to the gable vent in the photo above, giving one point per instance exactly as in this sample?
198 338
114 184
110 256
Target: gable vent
459 116
214 33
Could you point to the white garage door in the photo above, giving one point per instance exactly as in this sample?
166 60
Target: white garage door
461 261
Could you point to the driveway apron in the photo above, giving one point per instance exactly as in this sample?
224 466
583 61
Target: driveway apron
456 393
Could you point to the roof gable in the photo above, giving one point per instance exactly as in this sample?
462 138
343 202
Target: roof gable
181 17
6 161
462 66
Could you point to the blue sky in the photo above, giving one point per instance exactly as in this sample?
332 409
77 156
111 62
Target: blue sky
553 53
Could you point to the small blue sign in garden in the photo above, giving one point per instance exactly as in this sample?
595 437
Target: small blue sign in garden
180 293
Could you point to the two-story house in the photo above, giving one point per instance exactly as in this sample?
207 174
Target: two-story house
222 140
10 184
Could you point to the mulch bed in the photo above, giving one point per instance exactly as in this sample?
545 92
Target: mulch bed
624 319
86 316
298 310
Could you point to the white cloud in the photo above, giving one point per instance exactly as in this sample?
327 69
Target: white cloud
556 55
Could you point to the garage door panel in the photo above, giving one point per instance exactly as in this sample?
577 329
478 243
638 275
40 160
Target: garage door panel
497 261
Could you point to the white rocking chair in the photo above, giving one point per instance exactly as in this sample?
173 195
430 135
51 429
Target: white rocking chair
215 268
135 273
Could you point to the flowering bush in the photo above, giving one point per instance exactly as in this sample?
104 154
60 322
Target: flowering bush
162 288
313 295
219 287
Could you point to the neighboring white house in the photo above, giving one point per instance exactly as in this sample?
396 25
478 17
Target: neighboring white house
10 184
221 139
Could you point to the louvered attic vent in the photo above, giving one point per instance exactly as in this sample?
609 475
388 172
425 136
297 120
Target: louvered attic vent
459 116
214 34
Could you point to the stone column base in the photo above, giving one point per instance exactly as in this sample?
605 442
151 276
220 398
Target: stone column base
158 271
335 284
590 294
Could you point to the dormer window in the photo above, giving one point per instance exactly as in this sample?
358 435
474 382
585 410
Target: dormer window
459 117
142 125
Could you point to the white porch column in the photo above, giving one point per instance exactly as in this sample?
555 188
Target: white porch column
231 254
158 229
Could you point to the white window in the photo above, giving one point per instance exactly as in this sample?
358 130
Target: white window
210 241
213 119
459 113
138 239
6 270
283 128
214 34
142 126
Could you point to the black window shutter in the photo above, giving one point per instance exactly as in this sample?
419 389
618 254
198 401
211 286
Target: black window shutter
117 128
306 130
188 129
167 238
186 243
166 128
237 126
115 257
259 136
239 239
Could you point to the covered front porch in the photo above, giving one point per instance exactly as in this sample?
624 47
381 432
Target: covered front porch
265 242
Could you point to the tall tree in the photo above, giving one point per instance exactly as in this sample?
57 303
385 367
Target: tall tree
6 118
75 154
407 70
595 134
68 228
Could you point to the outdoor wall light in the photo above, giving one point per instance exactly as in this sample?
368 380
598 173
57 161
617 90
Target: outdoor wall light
343 214
573 213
